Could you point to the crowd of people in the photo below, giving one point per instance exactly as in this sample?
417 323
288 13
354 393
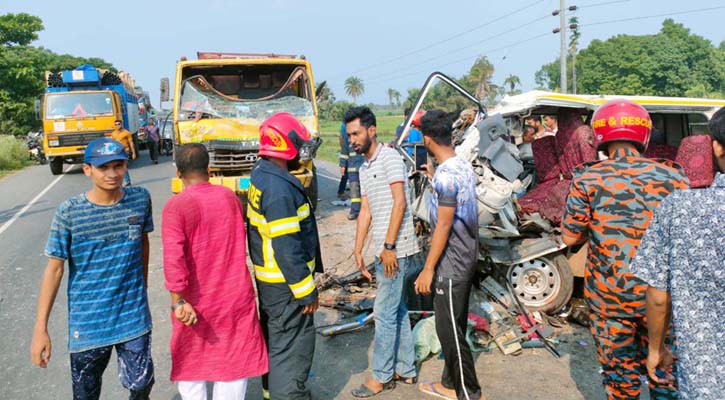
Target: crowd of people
655 265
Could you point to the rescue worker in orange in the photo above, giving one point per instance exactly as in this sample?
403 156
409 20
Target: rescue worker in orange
609 207
122 135
285 250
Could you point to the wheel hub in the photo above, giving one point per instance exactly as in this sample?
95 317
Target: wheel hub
535 282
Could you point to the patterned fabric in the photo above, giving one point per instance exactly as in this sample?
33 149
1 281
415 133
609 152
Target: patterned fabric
695 156
660 151
577 150
622 350
547 166
454 185
683 253
611 203
107 301
548 199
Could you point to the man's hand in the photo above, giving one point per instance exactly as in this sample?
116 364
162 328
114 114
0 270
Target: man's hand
422 284
186 314
663 360
311 308
361 266
390 262
40 349
342 171
427 170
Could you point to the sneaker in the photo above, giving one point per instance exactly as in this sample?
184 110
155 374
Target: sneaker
352 216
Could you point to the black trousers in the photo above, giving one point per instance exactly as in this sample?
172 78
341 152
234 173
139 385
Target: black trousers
153 150
290 337
451 317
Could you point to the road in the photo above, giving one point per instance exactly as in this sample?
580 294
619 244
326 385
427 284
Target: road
341 363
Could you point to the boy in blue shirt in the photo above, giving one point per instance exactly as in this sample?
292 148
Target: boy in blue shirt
103 234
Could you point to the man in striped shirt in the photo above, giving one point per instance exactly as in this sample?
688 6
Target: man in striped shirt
103 234
384 206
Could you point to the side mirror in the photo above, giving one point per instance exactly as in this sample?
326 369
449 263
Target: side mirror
164 90
37 109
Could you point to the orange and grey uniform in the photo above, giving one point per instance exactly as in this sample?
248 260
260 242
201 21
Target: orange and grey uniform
284 247
611 204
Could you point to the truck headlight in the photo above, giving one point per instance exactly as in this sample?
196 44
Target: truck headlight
309 149
54 143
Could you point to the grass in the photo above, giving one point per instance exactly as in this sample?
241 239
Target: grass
330 131
13 154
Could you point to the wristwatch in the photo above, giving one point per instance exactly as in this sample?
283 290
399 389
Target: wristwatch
178 304
389 246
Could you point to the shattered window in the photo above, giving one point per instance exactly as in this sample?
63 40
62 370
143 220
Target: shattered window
200 100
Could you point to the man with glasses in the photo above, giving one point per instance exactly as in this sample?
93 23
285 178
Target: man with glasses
122 135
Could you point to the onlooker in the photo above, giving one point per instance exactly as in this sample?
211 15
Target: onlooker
550 123
285 249
528 134
103 234
216 335
152 140
681 258
342 161
384 206
526 153
451 258
610 204
352 167
123 136
535 121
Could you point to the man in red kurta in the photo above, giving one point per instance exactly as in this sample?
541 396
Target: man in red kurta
216 332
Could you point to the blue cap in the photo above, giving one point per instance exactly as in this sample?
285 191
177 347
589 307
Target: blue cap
103 150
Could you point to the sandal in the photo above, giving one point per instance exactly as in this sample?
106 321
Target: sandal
363 391
430 389
406 381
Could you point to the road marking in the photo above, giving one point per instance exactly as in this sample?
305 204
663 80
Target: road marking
35 199
328 176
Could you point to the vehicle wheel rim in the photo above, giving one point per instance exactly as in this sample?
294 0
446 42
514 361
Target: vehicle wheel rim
536 282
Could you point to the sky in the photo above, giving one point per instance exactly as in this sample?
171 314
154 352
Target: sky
388 44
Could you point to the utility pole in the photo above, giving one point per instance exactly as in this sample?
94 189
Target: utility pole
562 33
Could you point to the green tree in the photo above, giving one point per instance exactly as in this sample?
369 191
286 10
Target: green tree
19 29
354 87
480 74
511 82
394 97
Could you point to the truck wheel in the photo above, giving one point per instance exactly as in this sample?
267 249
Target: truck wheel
543 284
312 189
56 165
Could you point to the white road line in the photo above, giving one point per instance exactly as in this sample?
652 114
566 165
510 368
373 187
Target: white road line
328 176
36 198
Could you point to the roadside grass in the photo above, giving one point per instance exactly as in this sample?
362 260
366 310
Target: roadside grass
330 131
386 124
13 154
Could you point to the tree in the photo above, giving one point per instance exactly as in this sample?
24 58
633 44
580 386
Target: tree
481 73
573 43
394 97
512 81
19 29
354 87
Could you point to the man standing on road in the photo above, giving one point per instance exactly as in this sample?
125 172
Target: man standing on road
285 250
152 140
103 234
451 258
216 333
682 258
123 136
384 206
352 162
609 206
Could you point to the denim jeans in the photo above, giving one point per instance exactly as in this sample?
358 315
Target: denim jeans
393 349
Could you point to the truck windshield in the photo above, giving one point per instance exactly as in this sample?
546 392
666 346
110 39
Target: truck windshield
78 105
199 100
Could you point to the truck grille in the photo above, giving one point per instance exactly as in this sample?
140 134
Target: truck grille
78 139
232 156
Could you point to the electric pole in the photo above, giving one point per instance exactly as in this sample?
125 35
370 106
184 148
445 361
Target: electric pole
562 33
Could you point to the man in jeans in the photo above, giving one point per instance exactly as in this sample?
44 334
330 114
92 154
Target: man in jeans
384 205
152 140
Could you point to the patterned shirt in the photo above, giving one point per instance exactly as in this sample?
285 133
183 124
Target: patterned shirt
611 202
383 169
454 185
683 253
107 301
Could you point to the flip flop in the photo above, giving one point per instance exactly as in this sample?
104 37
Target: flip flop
404 380
429 389
363 391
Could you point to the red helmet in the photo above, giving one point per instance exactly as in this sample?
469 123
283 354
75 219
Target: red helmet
282 136
416 118
621 120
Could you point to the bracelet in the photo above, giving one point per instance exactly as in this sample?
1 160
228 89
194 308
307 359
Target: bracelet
178 304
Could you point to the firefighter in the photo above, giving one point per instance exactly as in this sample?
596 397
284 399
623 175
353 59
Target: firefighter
285 250
351 161
610 205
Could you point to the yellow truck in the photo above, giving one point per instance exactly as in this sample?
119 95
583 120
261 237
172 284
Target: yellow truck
221 99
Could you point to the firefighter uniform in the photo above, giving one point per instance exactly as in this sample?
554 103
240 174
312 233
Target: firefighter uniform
285 250
352 161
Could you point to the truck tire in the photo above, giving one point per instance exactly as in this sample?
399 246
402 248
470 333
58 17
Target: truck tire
312 190
56 165
543 284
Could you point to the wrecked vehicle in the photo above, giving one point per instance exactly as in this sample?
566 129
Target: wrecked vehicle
522 189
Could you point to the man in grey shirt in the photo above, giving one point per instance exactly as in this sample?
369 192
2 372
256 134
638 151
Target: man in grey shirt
383 185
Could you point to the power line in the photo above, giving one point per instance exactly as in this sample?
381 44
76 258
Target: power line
654 16
419 50
602 4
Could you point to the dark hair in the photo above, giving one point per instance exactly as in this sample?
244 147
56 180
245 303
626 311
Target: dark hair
717 126
192 158
552 116
367 118
119 121
526 127
407 111
438 125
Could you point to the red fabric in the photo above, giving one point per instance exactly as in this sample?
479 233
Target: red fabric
205 260
545 158
695 157
548 199
660 151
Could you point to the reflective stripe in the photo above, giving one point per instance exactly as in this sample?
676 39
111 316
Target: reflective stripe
268 275
303 212
265 394
343 156
311 265
283 226
304 287
355 200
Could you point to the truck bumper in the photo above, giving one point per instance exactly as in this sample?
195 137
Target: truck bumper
239 184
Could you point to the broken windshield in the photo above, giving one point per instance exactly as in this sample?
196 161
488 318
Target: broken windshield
200 100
